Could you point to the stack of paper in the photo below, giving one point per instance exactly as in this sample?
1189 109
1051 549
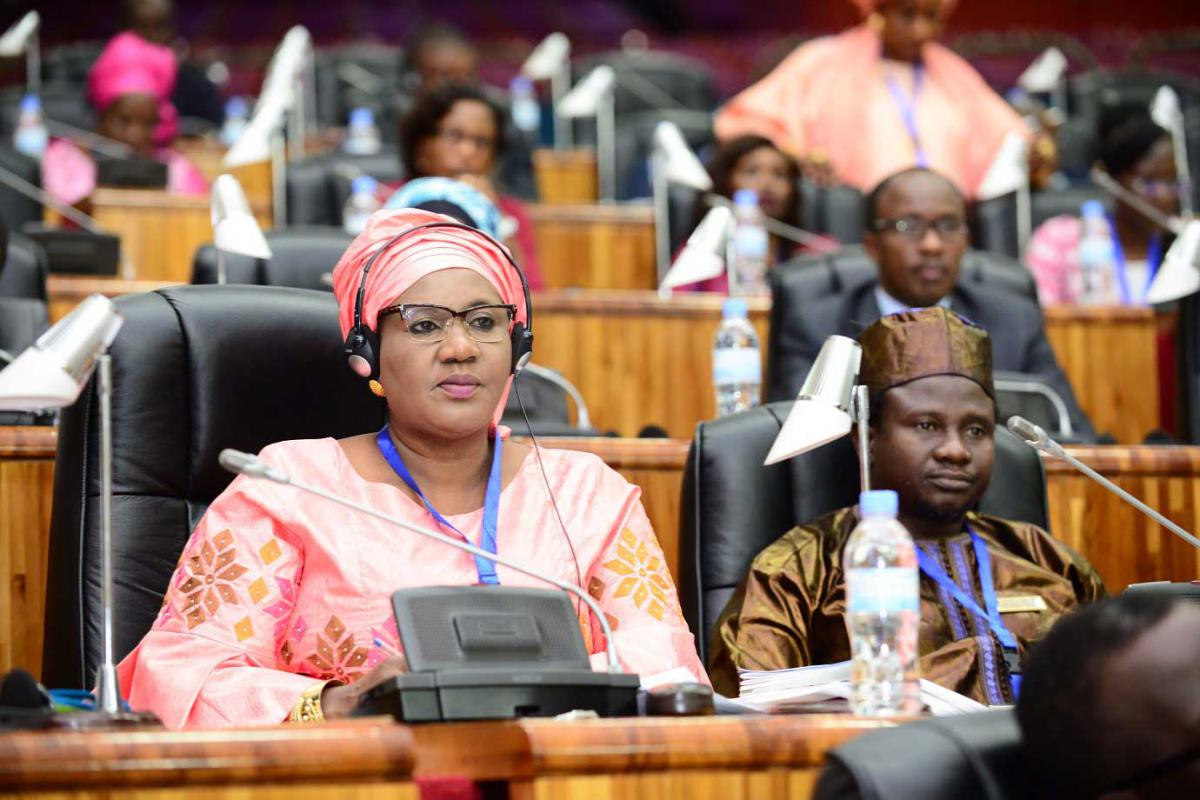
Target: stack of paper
768 689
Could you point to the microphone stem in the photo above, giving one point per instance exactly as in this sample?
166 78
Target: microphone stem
610 649
1128 498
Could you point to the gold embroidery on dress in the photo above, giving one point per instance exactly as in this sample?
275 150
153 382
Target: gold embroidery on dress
210 583
337 657
642 575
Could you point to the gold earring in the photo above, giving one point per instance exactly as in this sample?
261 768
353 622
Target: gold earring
876 22
376 388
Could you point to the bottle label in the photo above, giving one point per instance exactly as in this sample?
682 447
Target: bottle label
883 590
737 365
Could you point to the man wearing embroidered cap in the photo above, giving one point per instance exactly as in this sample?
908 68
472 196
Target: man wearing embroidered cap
933 419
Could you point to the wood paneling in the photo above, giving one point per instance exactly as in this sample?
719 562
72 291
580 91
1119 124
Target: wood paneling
639 359
159 231
67 291
565 176
595 247
1110 356
207 155
26 488
368 759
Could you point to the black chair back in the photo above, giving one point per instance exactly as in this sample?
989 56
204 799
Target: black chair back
733 506
1187 355
195 369
300 257
317 188
17 210
948 758
25 269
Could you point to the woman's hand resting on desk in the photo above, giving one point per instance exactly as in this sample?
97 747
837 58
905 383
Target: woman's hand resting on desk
338 702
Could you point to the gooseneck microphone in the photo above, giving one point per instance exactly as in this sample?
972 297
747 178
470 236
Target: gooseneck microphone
253 467
1035 437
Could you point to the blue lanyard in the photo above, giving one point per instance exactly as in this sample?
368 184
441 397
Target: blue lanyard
933 569
908 109
491 502
1153 260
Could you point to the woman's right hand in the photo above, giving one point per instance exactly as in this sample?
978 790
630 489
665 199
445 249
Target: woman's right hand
338 701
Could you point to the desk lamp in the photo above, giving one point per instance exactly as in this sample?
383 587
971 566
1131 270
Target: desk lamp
593 97
235 230
828 404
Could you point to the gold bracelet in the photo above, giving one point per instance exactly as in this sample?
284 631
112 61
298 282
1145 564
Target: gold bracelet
308 706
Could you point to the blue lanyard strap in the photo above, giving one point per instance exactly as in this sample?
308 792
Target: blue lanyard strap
908 109
491 501
930 567
1153 261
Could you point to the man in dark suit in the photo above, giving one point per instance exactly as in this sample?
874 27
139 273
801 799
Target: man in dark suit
917 237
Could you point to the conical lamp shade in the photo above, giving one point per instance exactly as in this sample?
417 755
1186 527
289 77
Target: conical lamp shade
703 256
235 230
821 413
679 162
1179 274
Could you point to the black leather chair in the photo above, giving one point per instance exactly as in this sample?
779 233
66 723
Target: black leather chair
837 211
655 81
23 309
318 187
17 210
733 506
301 257
1187 356
25 269
195 369
974 756
1069 201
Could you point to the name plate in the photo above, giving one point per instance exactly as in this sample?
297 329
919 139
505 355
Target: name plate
1017 603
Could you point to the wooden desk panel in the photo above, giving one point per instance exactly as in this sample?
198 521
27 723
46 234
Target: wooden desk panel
68 291
367 759
26 495
637 358
565 177
594 246
1110 356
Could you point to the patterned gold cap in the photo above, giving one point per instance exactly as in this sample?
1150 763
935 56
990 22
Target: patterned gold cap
903 347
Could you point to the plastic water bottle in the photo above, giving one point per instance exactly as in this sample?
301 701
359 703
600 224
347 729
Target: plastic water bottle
750 243
362 135
237 114
361 204
883 610
1097 258
30 136
526 113
737 370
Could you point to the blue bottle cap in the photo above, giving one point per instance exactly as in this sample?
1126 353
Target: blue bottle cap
520 85
1093 208
237 107
31 102
363 184
362 117
745 197
734 308
878 503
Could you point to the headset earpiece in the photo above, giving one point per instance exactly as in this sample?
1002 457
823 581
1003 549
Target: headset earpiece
362 352
522 347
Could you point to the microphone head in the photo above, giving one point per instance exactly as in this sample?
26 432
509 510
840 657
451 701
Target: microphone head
250 466
1026 430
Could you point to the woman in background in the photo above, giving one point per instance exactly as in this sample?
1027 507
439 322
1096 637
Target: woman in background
454 131
130 87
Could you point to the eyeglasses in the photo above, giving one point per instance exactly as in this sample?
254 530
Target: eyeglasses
915 228
1154 189
455 137
487 324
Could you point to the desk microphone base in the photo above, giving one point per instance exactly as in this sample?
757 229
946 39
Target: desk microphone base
477 695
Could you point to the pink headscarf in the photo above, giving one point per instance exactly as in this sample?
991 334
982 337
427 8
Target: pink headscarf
411 259
867 7
131 65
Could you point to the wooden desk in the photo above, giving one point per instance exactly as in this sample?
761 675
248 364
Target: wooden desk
208 156
594 246
159 231
1110 356
26 489
638 359
565 176
735 758
364 760
67 291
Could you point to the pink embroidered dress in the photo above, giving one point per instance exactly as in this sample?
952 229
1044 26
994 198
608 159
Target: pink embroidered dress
277 590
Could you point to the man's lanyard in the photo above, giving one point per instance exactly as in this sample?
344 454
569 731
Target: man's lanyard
491 502
908 109
931 567
1153 260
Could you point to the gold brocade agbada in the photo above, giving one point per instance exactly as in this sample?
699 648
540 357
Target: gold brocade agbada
789 610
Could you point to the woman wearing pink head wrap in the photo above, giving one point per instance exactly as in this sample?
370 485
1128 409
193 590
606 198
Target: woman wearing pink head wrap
130 88
879 98
280 602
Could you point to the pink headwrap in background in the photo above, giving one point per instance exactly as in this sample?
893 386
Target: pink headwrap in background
867 7
411 259
131 65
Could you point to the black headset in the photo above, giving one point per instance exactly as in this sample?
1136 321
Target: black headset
362 343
